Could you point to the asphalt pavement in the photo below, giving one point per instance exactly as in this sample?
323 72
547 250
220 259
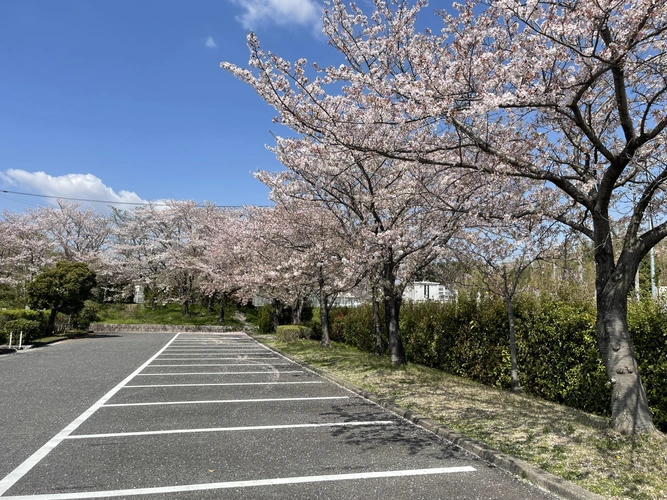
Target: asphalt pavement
198 416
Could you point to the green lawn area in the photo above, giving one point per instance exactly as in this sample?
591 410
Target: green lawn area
169 314
568 443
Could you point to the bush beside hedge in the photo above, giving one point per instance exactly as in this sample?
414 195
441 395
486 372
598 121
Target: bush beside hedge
556 343
292 333
29 328
30 322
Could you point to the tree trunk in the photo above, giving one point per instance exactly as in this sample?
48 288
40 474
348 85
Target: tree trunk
514 372
392 304
324 317
51 323
376 323
221 311
185 311
277 310
297 309
211 301
630 413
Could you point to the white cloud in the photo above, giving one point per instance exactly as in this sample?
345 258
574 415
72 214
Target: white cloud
279 12
80 186
210 43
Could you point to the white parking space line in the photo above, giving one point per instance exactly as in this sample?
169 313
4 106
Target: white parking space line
246 484
225 383
268 356
226 364
219 364
204 355
215 342
265 372
193 350
36 457
233 429
223 401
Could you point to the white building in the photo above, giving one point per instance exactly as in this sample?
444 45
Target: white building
424 291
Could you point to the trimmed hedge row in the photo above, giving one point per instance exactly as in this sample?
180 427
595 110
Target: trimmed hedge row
557 348
292 333
30 322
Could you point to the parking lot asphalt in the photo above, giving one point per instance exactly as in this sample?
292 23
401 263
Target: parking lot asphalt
160 416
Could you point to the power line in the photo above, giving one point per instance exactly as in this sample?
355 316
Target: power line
107 201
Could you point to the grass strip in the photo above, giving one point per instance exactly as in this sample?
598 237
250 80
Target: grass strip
566 442
168 314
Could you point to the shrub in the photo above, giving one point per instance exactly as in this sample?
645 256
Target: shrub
292 333
265 319
11 314
89 314
31 330
558 354
8 315
558 358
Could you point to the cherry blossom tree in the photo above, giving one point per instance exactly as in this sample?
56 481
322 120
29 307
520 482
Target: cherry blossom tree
234 261
160 247
78 235
24 250
397 226
570 95
501 251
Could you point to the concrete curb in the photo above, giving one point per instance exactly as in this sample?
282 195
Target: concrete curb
553 484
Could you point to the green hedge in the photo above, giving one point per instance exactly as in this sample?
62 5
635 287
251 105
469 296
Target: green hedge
556 343
648 326
291 333
30 330
264 319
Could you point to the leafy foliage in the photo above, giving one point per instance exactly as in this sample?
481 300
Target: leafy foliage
265 319
13 320
292 333
64 288
557 350
30 329
89 314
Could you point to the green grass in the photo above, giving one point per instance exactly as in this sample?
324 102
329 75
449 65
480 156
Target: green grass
566 442
169 314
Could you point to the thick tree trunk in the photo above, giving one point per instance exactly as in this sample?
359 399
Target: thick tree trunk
185 311
630 413
392 304
379 348
514 372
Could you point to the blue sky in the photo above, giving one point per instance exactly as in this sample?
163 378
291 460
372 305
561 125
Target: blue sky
125 99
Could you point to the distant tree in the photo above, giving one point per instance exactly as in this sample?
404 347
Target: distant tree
63 289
